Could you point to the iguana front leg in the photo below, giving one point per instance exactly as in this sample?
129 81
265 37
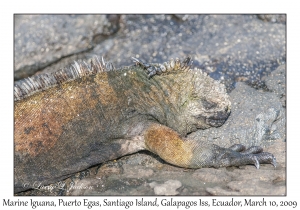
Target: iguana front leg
187 153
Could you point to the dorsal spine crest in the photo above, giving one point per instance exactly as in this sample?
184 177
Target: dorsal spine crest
165 68
28 86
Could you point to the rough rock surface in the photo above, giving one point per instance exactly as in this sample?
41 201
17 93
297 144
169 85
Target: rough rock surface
276 82
167 188
231 48
41 40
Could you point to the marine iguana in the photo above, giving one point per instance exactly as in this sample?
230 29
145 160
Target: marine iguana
86 114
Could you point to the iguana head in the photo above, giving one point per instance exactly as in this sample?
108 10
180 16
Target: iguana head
197 101
208 104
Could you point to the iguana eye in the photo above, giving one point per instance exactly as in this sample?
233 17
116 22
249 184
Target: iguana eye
208 104
200 117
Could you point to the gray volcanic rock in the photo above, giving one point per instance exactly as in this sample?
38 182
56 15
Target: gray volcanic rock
230 48
274 18
167 188
276 82
41 40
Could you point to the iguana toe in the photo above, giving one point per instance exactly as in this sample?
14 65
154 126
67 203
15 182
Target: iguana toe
237 147
236 155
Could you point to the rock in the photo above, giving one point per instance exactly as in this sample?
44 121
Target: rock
230 48
276 82
211 175
84 187
41 40
248 187
220 191
167 188
257 118
273 18
267 173
279 151
136 171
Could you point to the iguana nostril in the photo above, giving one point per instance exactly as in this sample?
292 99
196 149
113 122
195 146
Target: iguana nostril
227 109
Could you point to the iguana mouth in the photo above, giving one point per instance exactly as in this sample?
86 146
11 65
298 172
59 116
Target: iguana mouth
218 119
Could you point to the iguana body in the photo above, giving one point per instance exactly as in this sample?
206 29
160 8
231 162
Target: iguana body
79 117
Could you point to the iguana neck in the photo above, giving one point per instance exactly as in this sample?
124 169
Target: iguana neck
161 97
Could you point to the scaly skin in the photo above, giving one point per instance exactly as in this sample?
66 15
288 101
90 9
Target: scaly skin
79 123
